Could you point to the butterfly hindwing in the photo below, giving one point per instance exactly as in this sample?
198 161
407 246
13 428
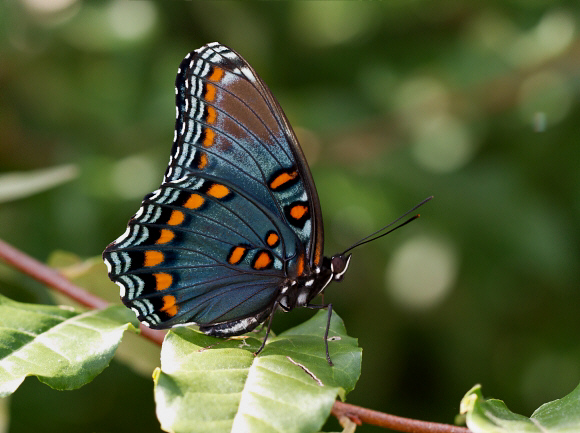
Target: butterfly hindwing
189 256
236 215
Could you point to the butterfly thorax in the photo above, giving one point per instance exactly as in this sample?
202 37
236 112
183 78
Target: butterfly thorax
300 291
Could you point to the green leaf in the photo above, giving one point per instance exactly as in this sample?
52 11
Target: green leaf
23 184
207 384
493 416
91 275
64 348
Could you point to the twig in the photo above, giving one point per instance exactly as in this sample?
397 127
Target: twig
361 415
46 275
357 414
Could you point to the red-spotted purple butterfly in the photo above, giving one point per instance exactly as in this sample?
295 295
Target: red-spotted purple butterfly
235 230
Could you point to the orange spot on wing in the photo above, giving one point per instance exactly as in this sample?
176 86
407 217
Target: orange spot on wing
210 90
218 191
176 218
298 211
153 258
211 115
282 178
163 281
169 305
272 239
203 160
263 260
317 255
195 201
166 236
236 255
300 265
217 74
208 138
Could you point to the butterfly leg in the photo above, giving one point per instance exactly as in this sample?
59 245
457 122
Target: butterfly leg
260 328
267 330
320 307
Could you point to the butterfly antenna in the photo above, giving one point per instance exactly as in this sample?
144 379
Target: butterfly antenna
370 237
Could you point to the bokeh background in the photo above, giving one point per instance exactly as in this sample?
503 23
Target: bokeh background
476 103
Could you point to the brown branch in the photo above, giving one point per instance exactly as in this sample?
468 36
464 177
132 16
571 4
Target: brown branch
361 415
46 275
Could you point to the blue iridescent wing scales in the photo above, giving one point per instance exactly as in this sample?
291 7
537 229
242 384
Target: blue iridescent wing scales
188 254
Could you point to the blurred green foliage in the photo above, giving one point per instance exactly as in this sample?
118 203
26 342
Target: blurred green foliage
476 103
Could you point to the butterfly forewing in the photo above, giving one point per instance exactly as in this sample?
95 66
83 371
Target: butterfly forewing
237 213
229 124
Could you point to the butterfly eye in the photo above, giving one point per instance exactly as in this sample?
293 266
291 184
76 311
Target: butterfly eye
339 265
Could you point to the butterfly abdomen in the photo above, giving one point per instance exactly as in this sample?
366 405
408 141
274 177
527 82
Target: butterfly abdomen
236 327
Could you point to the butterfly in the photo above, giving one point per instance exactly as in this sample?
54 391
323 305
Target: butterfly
235 230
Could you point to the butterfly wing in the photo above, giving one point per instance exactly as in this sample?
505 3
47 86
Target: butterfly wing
237 212
229 124
189 256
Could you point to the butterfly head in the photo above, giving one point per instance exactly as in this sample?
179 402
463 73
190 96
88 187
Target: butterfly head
339 265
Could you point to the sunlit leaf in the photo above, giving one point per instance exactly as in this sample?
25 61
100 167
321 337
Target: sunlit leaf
91 275
64 348
207 384
493 416
24 184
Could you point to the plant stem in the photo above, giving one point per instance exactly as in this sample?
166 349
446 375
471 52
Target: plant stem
361 415
46 275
